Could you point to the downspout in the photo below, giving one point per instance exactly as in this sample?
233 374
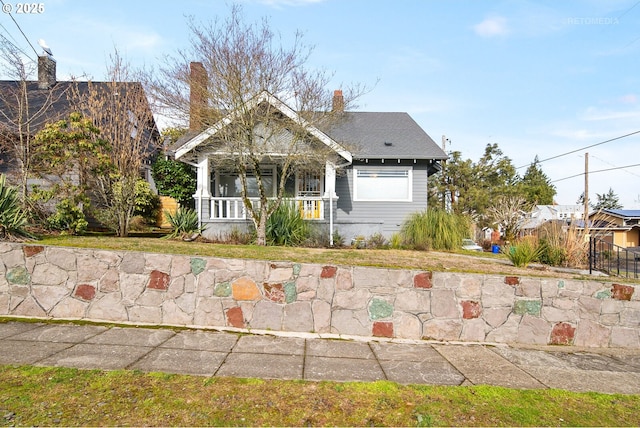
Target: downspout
331 219
331 202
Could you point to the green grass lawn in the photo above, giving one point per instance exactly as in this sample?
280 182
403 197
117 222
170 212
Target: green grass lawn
462 261
38 396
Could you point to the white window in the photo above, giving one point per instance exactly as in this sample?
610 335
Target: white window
382 184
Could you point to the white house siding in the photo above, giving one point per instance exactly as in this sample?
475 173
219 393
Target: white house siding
364 218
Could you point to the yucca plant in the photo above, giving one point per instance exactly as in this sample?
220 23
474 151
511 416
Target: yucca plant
286 226
12 219
184 224
435 229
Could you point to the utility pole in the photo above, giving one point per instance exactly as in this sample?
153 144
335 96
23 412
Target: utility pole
445 180
586 195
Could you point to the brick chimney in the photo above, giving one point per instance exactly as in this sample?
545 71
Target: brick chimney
197 96
338 101
46 72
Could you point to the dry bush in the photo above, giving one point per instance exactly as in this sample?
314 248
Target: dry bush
565 245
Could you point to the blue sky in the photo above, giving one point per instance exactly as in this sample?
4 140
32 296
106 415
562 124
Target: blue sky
536 77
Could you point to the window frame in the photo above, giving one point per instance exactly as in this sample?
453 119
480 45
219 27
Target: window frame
409 177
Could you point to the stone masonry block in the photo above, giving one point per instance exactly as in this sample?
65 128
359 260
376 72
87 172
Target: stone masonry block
592 334
328 272
622 292
132 263
158 280
85 292
470 309
267 315
245 289
32 250
274 292
298 317
533 330
562 333
444 304
512 280
423 280
407 326
379 309
382 329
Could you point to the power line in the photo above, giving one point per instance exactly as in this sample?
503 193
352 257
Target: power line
583 148
18 25
628 10
18 48
593 172
609 163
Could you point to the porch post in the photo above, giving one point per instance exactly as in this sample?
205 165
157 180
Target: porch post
330 194
202 187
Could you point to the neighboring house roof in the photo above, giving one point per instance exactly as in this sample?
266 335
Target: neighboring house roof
544 213
365 135
385 135
59 97
626 214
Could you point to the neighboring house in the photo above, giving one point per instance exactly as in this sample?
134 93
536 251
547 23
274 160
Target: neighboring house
48 101
371 190
542 214
619 227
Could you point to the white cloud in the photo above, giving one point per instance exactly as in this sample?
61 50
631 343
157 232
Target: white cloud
492 27
595 114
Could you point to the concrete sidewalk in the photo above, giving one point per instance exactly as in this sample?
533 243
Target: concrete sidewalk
214 353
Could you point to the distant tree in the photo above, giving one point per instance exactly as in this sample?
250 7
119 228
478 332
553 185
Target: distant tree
473 187
71 152
25 109
507 212
607 201
174 178
536 187
119 108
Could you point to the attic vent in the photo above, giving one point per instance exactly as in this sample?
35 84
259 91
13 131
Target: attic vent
388 144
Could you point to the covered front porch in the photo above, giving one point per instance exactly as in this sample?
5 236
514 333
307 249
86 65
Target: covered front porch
220 204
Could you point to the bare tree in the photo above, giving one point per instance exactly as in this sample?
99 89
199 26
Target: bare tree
119 108
247 74
25 108
507 212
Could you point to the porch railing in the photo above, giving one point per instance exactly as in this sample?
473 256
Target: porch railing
311 208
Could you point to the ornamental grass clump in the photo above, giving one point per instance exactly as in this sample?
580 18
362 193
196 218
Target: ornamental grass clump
12 219
523 252
435 229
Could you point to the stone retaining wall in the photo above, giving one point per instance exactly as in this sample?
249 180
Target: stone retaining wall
132 287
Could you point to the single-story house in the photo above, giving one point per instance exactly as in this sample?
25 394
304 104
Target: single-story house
368 190
618 227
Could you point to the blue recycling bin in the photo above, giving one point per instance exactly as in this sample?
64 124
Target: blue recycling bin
495 249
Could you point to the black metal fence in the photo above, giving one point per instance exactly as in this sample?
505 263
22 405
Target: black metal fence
613 259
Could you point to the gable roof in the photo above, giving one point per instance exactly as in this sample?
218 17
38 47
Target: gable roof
374 135
190 143
386 135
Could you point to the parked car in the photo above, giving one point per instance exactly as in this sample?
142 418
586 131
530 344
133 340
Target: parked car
470 245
